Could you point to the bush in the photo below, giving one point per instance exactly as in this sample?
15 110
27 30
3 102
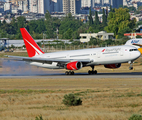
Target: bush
135 117
72 100
39 117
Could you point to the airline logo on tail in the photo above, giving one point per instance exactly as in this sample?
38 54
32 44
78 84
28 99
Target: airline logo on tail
32 48
38 52
134 41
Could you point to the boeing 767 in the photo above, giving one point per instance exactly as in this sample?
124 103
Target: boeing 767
110 57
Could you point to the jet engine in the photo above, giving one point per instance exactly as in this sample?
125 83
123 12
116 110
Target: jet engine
113 66
74 65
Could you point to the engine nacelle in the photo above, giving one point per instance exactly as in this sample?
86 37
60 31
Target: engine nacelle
113 66
74 65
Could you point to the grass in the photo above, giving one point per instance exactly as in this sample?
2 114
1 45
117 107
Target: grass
103 98
2 54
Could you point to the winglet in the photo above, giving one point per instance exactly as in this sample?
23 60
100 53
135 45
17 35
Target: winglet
32 48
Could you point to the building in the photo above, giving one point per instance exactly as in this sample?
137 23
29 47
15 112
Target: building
41 6
66 6
26 6
60 5
1 7
7 6
57 6
85 3
69 6
22 6
85 37
116 3
33 6
78 6
73 6
36 6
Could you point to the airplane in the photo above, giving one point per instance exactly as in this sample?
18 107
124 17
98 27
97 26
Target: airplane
110 57
137 42
3 43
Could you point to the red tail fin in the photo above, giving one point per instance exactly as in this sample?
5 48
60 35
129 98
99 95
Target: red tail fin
32 48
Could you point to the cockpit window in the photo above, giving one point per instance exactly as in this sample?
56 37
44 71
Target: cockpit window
133 50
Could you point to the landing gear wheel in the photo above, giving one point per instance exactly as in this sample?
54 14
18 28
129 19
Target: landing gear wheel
67 73
130 68
89 72
95 72
92 72
72 73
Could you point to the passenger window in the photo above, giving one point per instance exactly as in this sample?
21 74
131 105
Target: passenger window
132 50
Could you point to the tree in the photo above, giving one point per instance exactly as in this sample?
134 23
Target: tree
32 26
49 25
67 23
139 23
140 8
118 21
56 23
96 18
68 34
90 30
4 22
111 9
130 8
104 18
40 26
90 18
21 23
138 36
121 33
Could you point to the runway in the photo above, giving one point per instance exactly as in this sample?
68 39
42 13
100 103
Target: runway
78 75
20 69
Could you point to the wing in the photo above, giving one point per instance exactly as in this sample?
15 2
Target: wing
48 61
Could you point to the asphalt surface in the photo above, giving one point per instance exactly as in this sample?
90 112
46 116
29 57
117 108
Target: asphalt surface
77 75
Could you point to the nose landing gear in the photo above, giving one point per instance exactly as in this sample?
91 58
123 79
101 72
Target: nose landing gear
131 65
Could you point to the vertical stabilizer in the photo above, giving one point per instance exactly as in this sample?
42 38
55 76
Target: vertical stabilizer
32 48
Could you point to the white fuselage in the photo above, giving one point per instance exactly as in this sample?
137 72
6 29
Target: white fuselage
98 56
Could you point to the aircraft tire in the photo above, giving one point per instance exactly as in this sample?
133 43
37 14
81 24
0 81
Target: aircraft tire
92 72
89 72
130 68
95 72
72 73
67 73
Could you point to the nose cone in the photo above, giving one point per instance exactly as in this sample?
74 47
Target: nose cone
138 54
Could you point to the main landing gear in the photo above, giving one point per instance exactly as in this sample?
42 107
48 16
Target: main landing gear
92 72
131 65
69 72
